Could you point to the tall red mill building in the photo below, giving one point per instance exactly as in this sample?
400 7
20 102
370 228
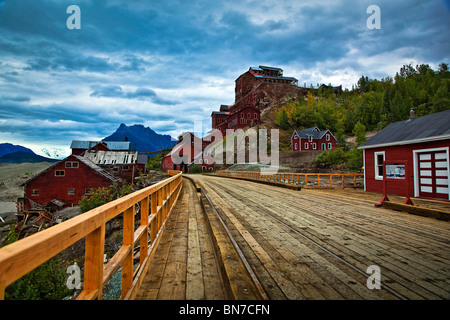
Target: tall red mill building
254 90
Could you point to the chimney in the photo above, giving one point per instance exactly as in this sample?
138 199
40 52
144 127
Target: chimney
412 114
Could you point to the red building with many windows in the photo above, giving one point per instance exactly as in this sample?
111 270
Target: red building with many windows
254 90
313 139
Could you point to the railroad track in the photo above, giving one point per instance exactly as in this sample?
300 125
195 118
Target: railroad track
321 249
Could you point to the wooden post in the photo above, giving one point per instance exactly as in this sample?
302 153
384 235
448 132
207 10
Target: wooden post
155 222
143 251
160 201
93 264
2 290
128 240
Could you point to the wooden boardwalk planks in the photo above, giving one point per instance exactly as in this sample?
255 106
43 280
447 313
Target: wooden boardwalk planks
184 265
412 252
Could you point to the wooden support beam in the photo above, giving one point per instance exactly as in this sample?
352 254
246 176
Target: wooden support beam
421 211
128 240
93 265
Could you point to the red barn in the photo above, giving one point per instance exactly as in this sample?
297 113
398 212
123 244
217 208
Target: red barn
313 139
411 156
67 181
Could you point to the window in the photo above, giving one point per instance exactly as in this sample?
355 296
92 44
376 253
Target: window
310 138
329 146
206 161
88 192
306 145
314 146
35 192
242 121
60 173
378 163
296 146
324 147
71 191
72 164
242 114
249 115
327 137
256 115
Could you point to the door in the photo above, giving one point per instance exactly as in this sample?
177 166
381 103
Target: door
433 175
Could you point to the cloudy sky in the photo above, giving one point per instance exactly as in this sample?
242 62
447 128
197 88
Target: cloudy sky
166 64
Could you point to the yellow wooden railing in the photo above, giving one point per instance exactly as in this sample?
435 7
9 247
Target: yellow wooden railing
156 203
301 180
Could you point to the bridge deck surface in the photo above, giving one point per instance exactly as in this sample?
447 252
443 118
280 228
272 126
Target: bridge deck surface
306 244
184 266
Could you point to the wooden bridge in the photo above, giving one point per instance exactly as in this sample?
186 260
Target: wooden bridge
215 238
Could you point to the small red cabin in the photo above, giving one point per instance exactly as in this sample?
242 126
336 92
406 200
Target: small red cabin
412 156
313 139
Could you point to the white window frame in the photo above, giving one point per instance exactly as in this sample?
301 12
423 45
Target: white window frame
327 137
306 145
329 146
314 146
376 164
296 146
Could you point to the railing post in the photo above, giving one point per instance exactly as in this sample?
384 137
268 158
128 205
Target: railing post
160 202
143 251
155 222
93 264
128 240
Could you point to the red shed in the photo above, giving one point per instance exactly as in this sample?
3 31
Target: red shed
412 155
67 181
313 139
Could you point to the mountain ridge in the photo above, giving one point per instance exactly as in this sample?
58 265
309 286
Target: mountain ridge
144 139
7 148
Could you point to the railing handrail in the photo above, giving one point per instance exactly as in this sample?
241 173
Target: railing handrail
21 257
282 177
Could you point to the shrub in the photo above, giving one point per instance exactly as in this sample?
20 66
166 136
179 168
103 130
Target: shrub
195 169
331 158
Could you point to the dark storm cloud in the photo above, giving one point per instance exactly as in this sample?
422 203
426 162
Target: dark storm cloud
172 62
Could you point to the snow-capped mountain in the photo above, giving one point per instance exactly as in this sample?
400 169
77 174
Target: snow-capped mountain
55 153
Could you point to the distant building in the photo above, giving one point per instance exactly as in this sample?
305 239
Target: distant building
65 183
416 155
187 148
79 147
114 156
254 90
313 139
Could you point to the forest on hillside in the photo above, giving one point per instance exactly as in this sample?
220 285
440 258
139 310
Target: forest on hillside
372 103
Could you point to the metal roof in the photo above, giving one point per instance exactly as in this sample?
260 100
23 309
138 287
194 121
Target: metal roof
112 145
431 127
